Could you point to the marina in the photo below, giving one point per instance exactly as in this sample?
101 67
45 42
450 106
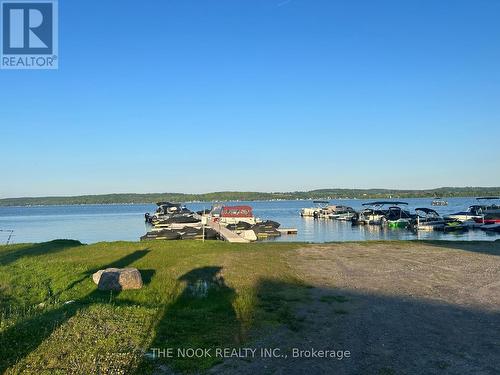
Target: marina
239 225
126 222
235 224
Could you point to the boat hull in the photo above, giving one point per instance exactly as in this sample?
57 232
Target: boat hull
400 223
463 216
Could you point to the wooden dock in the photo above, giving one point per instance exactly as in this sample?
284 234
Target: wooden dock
288 230
225 233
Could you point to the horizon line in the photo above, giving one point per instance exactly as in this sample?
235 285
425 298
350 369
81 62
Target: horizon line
255 192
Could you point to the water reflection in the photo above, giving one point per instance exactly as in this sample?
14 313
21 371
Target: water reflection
95 223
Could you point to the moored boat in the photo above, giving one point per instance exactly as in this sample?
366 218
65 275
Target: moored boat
491 227
489 218
375 214
235 214
339 212
439 202
477 212
454 226
396 217
321 210
428 219
474 212
166 210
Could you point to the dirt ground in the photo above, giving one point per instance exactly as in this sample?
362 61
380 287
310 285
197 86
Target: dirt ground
397 307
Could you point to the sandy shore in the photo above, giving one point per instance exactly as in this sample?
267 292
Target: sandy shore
398 308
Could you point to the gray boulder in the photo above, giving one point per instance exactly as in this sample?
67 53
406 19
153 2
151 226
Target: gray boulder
118 279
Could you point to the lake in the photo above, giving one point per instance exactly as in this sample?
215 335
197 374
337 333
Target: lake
96 223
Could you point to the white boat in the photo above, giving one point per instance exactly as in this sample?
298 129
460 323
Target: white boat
376 213
325 210
428 220
439 202
320 211
341 212
476 212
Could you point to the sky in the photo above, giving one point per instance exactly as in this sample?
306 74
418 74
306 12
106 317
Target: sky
261 95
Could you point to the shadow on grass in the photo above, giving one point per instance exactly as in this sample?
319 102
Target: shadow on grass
202 316
44 248
386 334
21 339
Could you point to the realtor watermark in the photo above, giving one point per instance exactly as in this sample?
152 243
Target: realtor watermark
29 34
245 353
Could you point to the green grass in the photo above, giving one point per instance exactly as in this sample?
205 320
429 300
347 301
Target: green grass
54 320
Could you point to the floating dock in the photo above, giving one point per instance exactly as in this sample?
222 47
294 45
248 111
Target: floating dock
288 230
225 233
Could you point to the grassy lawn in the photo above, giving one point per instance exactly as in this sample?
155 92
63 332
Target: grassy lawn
196 295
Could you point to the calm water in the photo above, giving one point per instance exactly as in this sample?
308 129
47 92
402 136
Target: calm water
95 223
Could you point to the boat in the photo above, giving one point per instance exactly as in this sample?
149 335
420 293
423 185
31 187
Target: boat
491 212
164 234
266 229
489 218
396 217
439 202
339 212
178 219
185 233
454 226
428 220
239 226
321 210
166 210
491 206
491 227
190 233
234 214
477 212
375 213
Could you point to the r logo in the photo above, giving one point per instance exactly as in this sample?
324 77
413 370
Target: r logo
29 34
27 28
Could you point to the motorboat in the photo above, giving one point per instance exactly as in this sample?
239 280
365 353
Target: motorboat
166 210
178 219
164 234
341 213
491 227
491 206
375 213
454 226
235 214
321 210
474 212
439 202
477 212
396 217
489 218
428 220
491 212
239 226
185 233
266 229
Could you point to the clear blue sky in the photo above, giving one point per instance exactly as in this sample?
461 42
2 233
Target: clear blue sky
267 95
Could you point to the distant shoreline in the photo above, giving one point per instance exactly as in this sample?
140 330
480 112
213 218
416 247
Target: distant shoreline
216 197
